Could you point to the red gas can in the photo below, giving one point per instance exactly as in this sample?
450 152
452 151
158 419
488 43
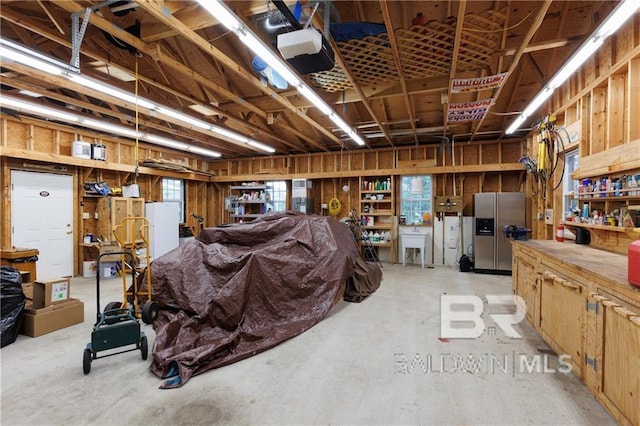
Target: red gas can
634 263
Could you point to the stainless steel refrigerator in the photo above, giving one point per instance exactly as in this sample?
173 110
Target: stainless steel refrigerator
493 211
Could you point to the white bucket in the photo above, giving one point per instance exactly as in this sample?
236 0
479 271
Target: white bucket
81 149
89 268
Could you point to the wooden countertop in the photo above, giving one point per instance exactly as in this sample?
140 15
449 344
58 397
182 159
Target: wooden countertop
609 266
18 253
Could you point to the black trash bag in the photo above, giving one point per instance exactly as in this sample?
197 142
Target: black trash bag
465 263
12 304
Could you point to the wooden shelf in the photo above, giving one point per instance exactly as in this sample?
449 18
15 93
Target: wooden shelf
599 227
633 233
381 226
378 213
382 214
614 198
380 244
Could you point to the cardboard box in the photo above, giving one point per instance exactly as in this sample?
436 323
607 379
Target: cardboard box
26 276
51 292
108 269
111 249
37 322
27 289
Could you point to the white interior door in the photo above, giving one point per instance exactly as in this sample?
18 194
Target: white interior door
42 218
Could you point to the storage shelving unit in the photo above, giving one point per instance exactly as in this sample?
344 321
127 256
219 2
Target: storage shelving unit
377 211
247 202
606 202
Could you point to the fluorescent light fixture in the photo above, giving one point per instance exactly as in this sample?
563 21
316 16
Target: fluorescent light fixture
223 14
226 17
30 58
108 90
22 58
516 124
261 146
111 128
624 10
315 99
576 61
46 112
202 151
29 93
259 48
43 111
537 101
184 118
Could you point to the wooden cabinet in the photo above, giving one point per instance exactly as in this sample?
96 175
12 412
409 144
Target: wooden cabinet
111 211
526 283
377 210
247 202
588 311
562 315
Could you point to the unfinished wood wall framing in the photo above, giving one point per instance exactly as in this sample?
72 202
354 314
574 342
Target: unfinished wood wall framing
33 145
478 167
600 105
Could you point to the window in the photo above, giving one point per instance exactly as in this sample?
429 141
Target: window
415 198
173 190
277 196
570 186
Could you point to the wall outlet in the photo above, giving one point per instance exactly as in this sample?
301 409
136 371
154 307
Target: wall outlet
548 216
85 215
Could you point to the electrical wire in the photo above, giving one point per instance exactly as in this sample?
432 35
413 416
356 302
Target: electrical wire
137 159
477 30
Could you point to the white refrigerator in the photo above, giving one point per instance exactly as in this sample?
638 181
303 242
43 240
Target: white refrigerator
164 220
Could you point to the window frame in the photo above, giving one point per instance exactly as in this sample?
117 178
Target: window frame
276 203
181 190
422 204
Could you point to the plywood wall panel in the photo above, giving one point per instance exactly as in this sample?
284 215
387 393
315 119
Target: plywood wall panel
44 140
491 182
386 159
490 153
598 120
511 152
65 142
17 135
590 72
605 56
512 181
617 125
471 154
471 185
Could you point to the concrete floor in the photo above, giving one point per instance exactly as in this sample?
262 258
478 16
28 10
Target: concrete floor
366 363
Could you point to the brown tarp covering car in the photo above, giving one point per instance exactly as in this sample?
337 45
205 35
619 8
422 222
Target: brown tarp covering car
241 289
